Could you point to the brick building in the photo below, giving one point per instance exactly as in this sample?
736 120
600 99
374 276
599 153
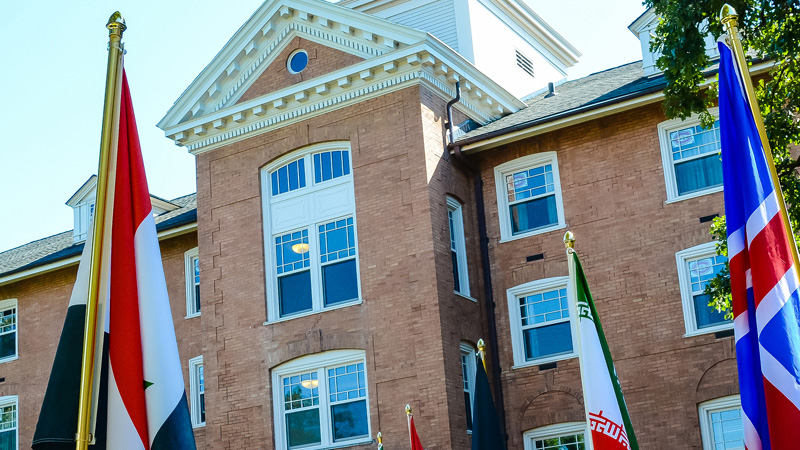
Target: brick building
332 266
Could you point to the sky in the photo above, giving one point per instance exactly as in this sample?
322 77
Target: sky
54 57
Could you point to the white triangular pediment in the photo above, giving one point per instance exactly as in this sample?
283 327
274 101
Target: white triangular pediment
213 112
263 37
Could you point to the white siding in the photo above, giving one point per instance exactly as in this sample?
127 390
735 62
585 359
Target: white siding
437 18
494 44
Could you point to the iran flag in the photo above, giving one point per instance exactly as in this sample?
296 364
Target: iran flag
140 401
606 413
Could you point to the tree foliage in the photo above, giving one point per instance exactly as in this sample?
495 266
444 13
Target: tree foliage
770 32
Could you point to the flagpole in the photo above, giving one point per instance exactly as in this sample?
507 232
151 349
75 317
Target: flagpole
116 26
380 441
569 243
729 18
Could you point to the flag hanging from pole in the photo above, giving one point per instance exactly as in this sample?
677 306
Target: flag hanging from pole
416 444
142 400
606 412
486 432
764 278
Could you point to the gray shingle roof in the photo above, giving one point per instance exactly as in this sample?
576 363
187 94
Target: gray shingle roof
594 90
61 245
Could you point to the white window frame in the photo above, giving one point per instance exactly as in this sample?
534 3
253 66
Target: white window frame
12 400
318 361
194 391
472 368
704 412
556 430
689 319
517 341
664 129
189 257
454 207
345 183
8 304
526 162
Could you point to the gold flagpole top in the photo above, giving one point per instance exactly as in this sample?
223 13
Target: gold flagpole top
569 241
380 438
482 352
116 24
408 410
728 16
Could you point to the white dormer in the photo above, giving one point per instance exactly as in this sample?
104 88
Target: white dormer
644 27
82 203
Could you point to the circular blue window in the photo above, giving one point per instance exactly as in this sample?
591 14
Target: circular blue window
297 61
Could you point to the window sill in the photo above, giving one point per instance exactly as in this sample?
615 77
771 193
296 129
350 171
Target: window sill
311 313
465 296
189 316
541 361
9 359
702 193
199 425
533 233
709 330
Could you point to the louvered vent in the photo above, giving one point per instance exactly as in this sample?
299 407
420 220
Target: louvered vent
524 63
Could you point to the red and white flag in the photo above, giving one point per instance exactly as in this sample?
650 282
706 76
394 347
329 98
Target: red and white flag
141 400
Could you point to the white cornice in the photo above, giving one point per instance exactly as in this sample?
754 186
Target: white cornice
430 62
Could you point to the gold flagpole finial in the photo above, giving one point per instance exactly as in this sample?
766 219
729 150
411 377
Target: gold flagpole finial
380 438
116 24
408 410
482 352
569 241
728 16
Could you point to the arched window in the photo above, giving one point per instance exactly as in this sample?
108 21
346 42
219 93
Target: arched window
321 400
310 232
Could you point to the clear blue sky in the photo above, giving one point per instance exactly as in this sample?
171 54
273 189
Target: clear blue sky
54 59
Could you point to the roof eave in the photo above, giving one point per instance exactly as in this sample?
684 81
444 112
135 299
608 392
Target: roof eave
579 115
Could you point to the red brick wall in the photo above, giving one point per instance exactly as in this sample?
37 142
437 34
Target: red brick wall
614 201
321 60
42 307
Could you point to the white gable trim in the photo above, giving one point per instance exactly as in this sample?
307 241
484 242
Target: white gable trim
83 192
351 31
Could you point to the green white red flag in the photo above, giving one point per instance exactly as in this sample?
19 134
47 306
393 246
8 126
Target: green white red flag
606 413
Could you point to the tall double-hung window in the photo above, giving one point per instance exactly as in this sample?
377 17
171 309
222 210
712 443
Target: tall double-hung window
529 196
542 321
691 158
310 232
